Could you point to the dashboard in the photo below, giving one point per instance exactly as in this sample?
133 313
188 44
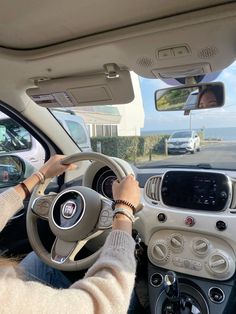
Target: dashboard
188 220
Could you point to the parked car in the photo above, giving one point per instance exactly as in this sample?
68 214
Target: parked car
183 142
8 173
191 102
75 126
16 139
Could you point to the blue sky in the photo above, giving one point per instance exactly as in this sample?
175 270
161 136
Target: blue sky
212 118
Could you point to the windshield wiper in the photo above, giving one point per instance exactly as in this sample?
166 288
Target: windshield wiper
204 166
198 166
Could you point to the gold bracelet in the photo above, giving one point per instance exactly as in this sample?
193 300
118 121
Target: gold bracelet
40 176
124 212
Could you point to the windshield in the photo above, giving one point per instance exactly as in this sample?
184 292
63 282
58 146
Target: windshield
181 134
136 132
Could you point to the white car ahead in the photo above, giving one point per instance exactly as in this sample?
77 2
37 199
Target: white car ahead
183 142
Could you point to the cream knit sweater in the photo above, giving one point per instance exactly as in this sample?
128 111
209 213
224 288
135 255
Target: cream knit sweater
106 288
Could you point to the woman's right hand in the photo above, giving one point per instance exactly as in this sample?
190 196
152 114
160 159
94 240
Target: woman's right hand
53 167
127 190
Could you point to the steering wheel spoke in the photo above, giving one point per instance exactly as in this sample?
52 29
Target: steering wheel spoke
65 251
62 250
41 206
106 215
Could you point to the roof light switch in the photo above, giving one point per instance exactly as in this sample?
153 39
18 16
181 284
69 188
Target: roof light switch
165 53
181 51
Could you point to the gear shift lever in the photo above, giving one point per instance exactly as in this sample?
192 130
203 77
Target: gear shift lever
171 286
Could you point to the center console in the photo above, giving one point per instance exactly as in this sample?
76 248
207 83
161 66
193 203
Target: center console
191 266
193 295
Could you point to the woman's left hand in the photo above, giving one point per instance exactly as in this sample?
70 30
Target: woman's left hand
53 167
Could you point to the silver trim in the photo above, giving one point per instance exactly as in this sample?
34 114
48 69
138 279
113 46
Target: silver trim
64 258
103 182
53 204
108 170
40 198
212 300
17 216
162 279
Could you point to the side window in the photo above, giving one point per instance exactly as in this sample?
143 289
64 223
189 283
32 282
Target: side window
77 132
13 137
16 140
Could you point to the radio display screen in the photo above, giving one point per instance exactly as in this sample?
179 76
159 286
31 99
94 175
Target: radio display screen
195 190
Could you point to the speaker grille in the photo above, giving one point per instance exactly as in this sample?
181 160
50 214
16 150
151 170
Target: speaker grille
207 53
145 62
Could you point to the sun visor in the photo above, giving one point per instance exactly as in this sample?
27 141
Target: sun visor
96 89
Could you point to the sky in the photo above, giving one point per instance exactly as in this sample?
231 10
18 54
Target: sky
207 118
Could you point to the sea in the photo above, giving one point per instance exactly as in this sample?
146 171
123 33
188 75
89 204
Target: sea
223 134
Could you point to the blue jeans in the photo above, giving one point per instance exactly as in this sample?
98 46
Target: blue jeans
37 270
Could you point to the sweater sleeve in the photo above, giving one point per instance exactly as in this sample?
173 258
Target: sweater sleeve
106 288
10 203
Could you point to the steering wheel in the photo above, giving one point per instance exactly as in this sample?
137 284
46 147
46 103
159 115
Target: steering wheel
75 215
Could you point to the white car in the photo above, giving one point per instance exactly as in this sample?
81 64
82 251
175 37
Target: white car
184 142
14 138
191 102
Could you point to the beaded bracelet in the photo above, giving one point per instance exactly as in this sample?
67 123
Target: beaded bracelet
124 203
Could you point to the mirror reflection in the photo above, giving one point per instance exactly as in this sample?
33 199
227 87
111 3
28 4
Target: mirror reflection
11 170
191 97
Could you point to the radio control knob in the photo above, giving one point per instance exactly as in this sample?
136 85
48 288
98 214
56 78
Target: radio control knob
218 263
201 246
223 194
176 242
160 252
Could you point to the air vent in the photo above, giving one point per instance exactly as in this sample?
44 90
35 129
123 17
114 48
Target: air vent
233 201
152 188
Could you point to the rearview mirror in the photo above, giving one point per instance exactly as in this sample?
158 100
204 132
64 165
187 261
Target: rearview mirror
191 97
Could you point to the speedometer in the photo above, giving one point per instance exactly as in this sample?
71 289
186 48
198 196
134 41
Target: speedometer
103 181
107 186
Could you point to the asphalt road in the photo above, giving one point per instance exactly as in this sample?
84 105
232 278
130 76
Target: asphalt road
220 155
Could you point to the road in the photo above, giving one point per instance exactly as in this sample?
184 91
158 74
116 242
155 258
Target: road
220 155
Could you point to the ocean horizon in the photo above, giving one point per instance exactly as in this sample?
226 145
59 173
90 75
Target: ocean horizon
224 134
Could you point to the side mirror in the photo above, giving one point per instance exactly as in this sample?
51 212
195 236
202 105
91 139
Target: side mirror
13 170
198 96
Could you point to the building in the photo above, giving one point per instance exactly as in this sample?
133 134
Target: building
116 120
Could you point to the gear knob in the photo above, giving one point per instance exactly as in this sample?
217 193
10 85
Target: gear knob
171 286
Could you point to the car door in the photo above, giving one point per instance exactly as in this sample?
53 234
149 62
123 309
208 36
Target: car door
16 140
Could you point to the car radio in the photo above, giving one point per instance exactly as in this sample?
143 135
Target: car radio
196 190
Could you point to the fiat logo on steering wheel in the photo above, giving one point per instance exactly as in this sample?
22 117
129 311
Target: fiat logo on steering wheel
69 209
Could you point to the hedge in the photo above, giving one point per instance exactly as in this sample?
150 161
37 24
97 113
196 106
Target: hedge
129 147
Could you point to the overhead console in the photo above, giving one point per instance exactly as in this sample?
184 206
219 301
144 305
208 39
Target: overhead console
196 190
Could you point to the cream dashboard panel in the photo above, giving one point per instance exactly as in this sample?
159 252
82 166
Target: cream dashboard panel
195 242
